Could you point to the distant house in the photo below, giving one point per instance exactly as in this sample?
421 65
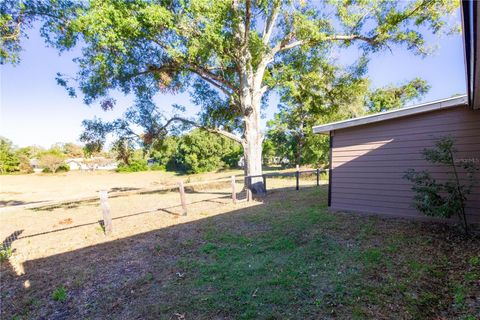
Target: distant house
34 163
75 164
95 163
369 155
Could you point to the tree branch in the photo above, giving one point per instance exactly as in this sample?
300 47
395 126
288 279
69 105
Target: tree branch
195 124
247 21
285 45
204 72
267 31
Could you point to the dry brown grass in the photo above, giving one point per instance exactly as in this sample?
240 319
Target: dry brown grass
284 257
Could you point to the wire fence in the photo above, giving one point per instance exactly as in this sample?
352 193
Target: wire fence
107 209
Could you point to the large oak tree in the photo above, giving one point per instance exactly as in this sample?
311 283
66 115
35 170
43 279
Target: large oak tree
231 50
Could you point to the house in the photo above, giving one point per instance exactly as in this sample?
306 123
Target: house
95 163
370 155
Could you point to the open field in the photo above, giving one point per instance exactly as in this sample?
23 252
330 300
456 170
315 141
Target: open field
33 189
286 257
24 189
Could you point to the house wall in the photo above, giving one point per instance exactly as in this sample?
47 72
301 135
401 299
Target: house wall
369 161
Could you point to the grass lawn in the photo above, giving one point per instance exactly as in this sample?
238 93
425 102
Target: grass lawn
286 258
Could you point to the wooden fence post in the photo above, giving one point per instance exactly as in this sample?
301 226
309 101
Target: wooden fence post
265 183
249 190
234 191
318 177
297 176
181 189
107 217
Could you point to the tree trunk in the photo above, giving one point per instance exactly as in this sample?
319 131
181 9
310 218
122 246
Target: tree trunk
252 148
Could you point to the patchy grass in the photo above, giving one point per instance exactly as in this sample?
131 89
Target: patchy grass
288 258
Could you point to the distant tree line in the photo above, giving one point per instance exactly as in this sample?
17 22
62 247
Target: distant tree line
22 160
192 152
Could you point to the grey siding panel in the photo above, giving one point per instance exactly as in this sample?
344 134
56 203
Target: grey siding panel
369 161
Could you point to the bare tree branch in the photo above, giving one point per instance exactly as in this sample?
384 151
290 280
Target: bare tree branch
222 132
204 72
270 24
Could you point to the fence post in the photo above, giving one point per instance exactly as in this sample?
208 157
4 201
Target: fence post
297 176
249 190
107 217
181 189
318 177
234 191
265 182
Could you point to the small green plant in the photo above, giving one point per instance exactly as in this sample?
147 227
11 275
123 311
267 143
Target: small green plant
474 261
59 294
149 277
444 199
5 253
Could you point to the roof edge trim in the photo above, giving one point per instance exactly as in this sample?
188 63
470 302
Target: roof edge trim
393 114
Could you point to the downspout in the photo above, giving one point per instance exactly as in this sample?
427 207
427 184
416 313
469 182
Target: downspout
330 171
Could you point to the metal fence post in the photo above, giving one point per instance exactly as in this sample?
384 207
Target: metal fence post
181 189
107 216
318 177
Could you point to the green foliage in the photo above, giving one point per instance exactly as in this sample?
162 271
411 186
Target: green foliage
135 165
70 150
157 167
124 150
388 98
444 199
61 168
60 294
164 150
5 253
228 54
193 152
321 93
200 151
31 152
8 159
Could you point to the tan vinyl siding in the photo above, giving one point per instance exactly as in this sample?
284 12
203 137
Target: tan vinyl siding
369 161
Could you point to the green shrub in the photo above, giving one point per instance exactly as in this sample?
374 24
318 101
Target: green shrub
164 151
62 168
201 151
444 199
157 167
5 253
8 159
134 166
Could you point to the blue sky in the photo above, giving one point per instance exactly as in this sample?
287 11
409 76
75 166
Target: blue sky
35 110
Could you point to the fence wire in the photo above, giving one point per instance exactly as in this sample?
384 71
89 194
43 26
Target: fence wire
143 209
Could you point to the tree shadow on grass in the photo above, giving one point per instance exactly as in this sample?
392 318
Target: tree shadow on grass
284 258
14 203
